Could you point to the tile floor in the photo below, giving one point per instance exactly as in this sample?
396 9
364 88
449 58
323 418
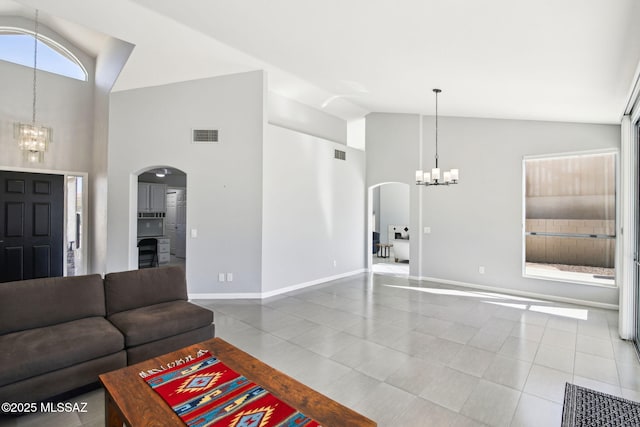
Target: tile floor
388 267
421 354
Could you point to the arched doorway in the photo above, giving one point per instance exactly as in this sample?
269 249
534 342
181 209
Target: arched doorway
162 214
388 230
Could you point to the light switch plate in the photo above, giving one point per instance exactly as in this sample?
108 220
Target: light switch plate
229 277
194 233
220 277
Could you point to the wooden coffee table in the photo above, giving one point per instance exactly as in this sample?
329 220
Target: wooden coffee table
129 400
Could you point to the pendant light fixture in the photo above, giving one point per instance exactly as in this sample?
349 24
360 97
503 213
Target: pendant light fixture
434 177
34 139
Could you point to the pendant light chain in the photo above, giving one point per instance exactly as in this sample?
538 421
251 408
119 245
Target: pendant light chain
436 91
35 64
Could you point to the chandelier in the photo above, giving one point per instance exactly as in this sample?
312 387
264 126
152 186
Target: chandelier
434 177
33 139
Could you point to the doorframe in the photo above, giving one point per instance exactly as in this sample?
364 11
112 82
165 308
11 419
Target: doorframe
369 258
629 309
133 213
626 276
85 203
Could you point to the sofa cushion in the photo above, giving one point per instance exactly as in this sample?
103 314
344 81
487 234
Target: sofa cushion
127 290
51 384
147 351
37 351
35 303
155 322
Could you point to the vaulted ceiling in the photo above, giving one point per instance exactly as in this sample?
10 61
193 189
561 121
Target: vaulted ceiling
566 60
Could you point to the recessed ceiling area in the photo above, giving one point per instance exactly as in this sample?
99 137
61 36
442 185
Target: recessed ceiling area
572 60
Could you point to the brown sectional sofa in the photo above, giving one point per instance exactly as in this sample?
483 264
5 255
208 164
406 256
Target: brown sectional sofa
58 334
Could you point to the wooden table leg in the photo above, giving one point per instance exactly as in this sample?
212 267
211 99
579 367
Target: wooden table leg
112 417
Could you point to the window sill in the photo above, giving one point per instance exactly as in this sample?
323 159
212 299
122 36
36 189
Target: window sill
600 283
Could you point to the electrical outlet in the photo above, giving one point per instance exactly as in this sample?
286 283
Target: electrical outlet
229 277
481 269
427 230
220 277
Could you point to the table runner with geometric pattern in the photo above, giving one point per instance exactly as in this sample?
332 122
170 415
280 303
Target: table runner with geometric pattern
205 392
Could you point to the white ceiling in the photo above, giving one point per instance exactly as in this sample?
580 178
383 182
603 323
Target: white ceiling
568 60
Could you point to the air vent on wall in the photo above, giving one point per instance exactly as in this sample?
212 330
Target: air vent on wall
204 136
340 155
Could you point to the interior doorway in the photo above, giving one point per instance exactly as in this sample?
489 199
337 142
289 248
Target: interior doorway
43 231
162 213
389 234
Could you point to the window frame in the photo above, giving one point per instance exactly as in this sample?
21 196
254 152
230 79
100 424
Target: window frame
54 45
618 241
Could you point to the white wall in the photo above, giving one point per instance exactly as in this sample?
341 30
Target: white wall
313 210
356 133
392 156
109 63
479 221
152 127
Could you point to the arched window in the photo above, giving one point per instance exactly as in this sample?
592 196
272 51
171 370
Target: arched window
16 45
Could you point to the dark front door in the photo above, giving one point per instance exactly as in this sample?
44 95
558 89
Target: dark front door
31 225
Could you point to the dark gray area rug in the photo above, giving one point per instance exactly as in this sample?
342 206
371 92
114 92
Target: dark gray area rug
585 407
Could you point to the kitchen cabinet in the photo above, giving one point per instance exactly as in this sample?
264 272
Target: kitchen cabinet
152 197
158 198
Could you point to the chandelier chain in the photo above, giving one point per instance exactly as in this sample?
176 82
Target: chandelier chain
436 91
35 64
33 139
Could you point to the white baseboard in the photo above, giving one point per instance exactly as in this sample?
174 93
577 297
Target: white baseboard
275 292
521 293
243 295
